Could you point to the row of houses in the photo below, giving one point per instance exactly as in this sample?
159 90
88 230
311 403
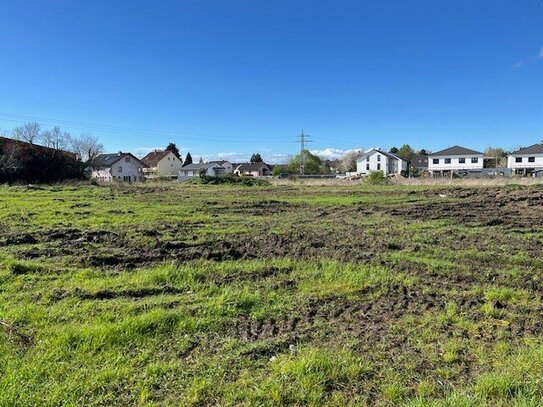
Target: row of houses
453 161
165 164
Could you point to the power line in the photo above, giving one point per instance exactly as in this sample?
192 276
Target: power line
304 139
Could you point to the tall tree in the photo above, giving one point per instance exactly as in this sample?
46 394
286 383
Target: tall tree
423 152
29 132
86 146
393 150
188 159
173 148
256 158
312 164
55 138
406 153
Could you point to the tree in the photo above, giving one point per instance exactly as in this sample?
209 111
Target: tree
256 158
312 164
86 146
423 152
496 157
393 150
406 153
188 159
55 138
29 132
348 162
173 148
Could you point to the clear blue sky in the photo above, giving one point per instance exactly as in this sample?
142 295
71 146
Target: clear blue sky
231 77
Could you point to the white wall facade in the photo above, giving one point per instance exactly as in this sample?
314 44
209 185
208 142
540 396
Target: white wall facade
127 169
215 171
169 166
377 161
527 161
456 163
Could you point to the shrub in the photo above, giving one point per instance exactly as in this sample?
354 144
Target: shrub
230 179
376 178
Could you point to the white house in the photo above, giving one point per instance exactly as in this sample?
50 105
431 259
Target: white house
526 161
162 164
253 170
227 165
194 170
118 166
379 160
455 160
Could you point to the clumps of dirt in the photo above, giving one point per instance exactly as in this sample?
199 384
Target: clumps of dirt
107 294
481 207
260 208
18 239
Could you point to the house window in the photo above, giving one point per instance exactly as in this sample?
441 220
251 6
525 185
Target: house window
120 169
474 160
127 159
367 167
378 167
531 159
368 158
378 157
447 160
462 160
435 161
126 178
518 159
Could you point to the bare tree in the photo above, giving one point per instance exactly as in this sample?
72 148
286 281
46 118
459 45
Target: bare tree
29 132
10 161
348 162
55 138
86 146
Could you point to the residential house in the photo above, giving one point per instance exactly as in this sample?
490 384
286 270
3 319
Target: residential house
419 164
526 161
378 160
227 165
194 170
253 170
117 166
334 165
456 160
162 164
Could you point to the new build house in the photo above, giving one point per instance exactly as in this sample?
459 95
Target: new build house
379 160
161 164
194 170
228 166
116 167
526 161
253 170
456 160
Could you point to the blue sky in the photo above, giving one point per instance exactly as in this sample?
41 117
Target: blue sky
231 77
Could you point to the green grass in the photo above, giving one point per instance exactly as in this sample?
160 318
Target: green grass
265 296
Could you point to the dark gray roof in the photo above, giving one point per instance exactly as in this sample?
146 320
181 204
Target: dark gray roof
252 167
456 150
535 149
385 153
107 160
199 166
419 161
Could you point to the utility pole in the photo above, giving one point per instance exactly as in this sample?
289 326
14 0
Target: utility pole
303 141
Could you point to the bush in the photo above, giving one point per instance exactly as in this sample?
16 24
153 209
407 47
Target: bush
376 178
230 179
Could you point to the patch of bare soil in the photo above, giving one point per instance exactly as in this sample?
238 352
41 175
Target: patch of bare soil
483 207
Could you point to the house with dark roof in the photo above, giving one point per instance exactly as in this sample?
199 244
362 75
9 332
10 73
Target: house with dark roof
527 160
456 160
161 163
194 170
253 170
228 166
116 167
376 159
419 163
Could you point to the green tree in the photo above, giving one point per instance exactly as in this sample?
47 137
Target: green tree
406 153
278 170
173 148
393 150
256 158
312 164
188 159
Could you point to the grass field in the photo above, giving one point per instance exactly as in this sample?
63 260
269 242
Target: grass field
184 294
